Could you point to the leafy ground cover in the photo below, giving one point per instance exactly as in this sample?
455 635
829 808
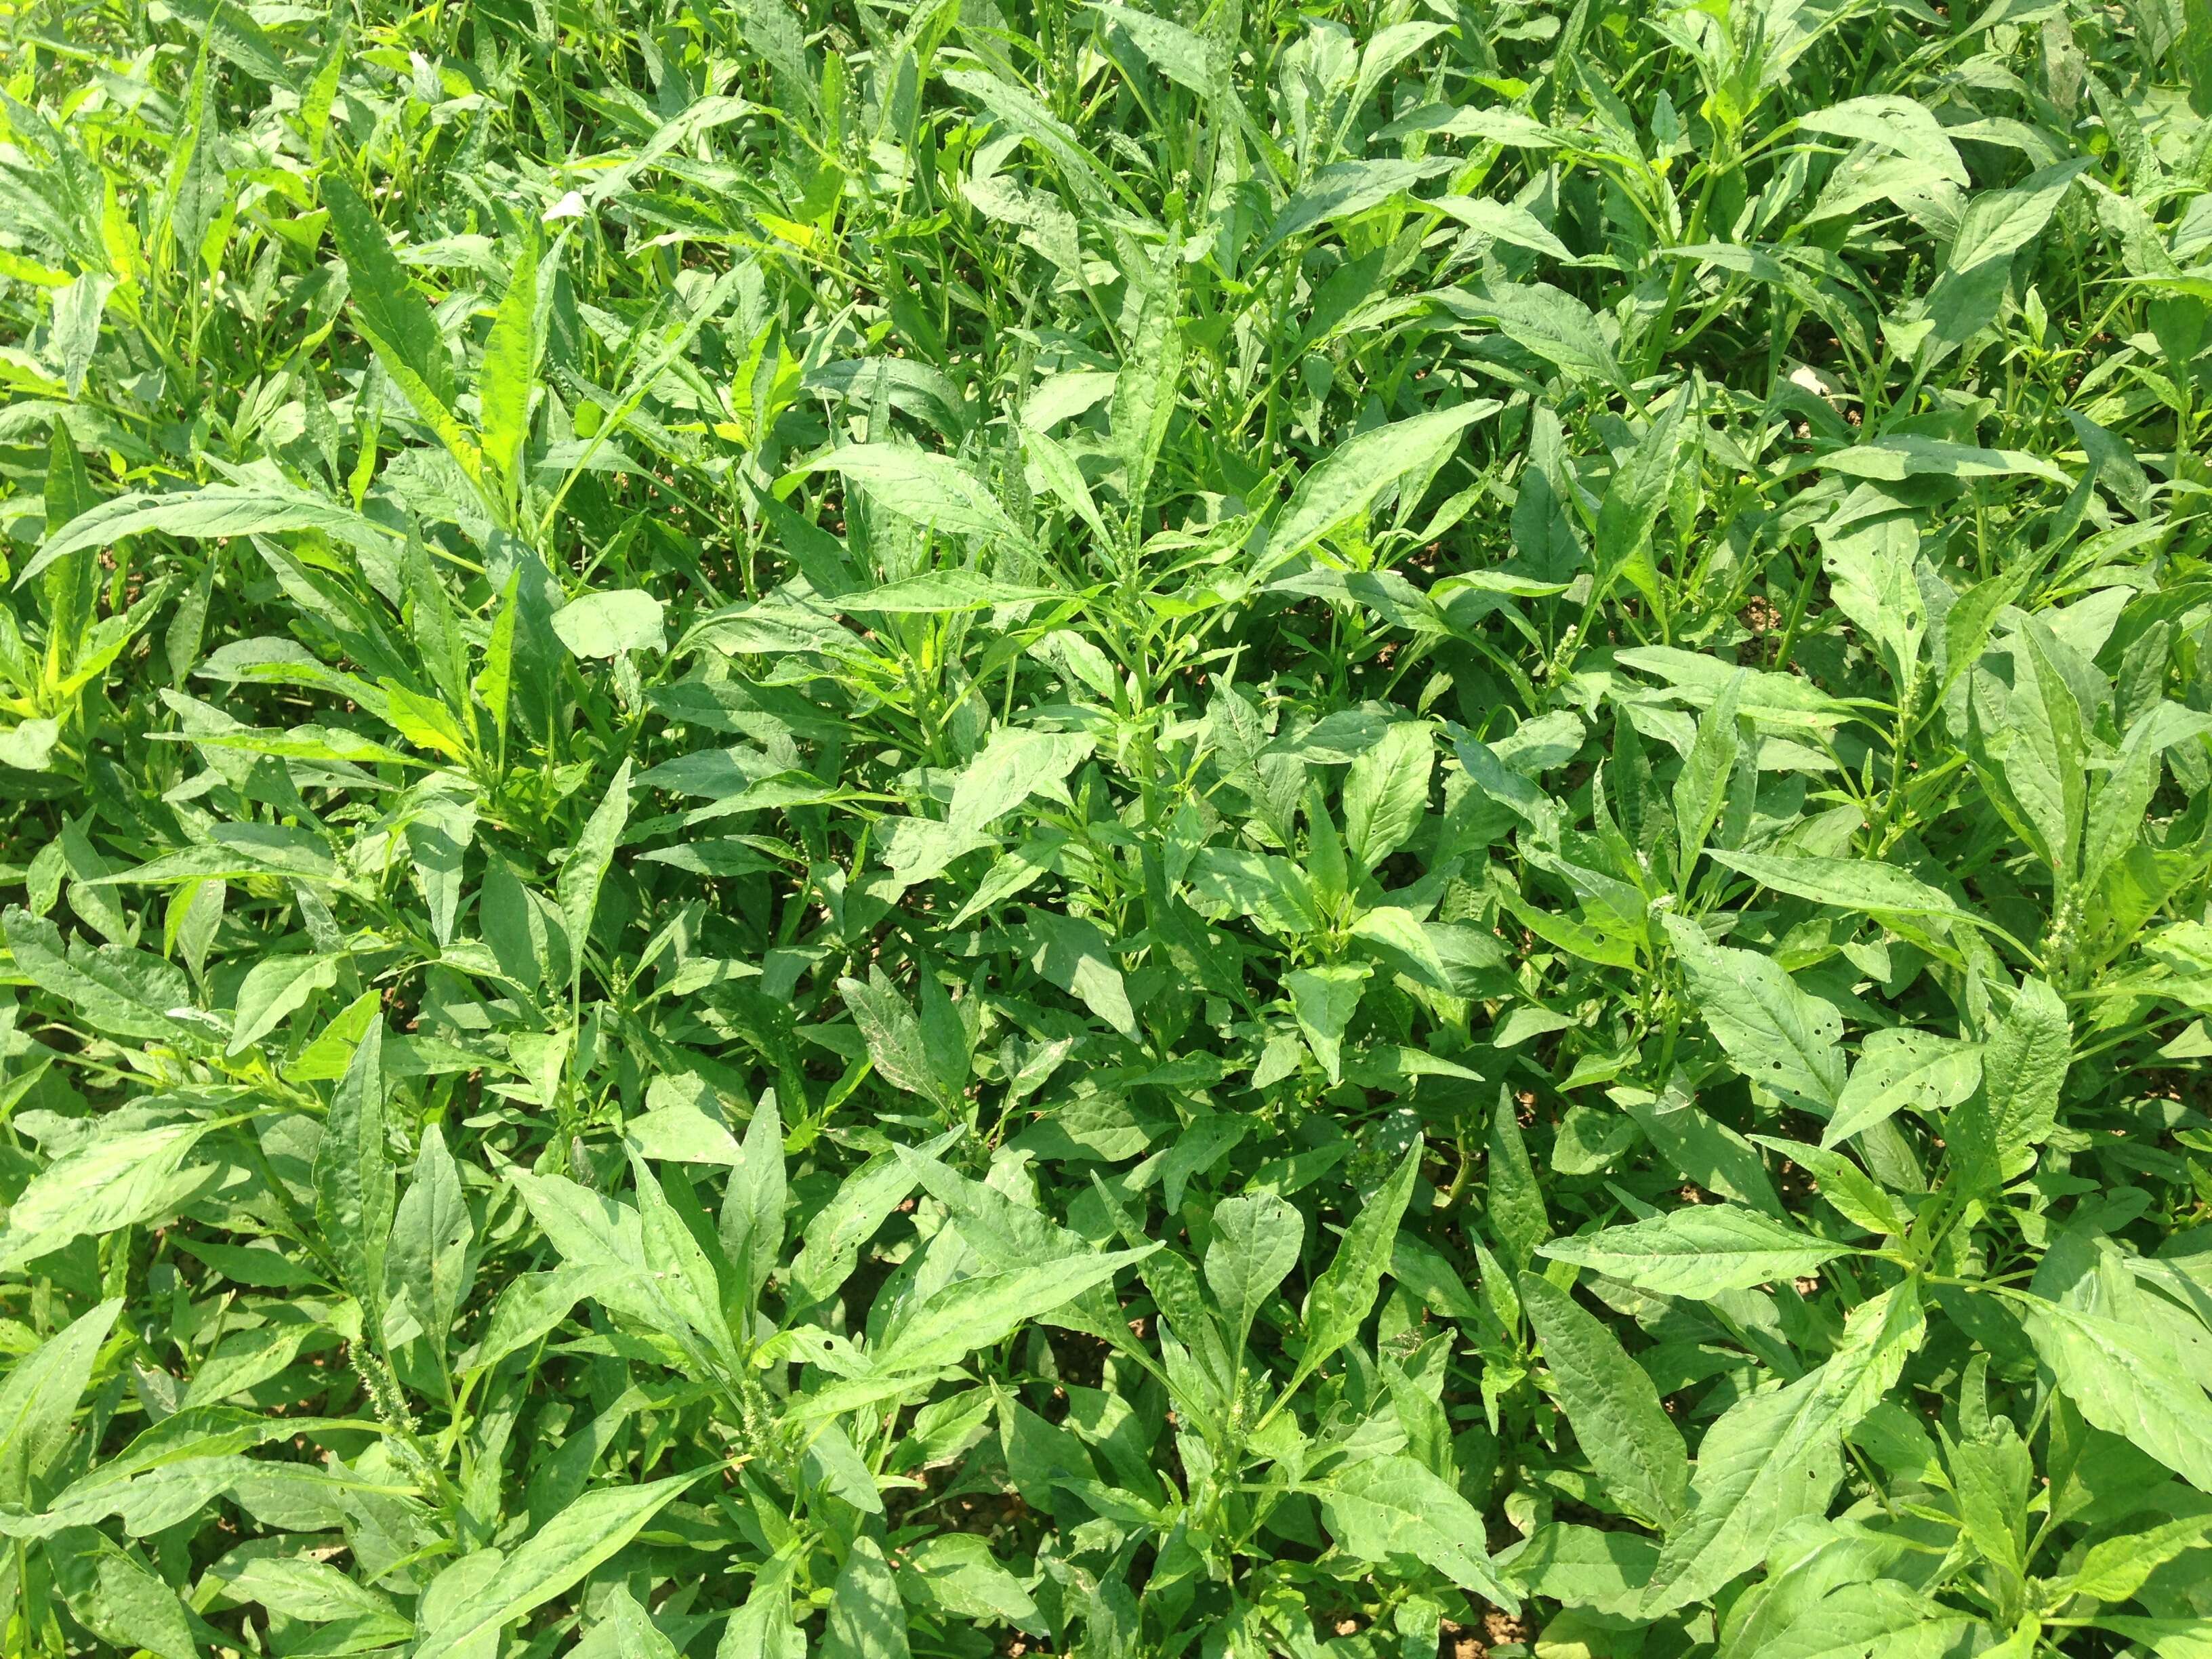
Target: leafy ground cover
994 827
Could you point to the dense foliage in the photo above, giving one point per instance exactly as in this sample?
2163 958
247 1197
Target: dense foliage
996 827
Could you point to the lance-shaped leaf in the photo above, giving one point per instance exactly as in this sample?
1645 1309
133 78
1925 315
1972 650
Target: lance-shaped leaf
1777 1456
39 1400
209 513
1393 1505
116 1179
1348 483
555 1557
1342 1296
984 1310
1996 1131
1775 1034
398 324
1622 1428
353 1183
1700 1250
586 869
932 490
2127 1380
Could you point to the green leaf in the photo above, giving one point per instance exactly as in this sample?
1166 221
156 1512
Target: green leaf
114 988
118 1598
209 513
1701 1251
1345 1293
1548 321
555 1557
1504 221
930 489
868 1618
1898 125
1774 1033
406 337
762 1628
2116 1568
508 375
353 1182
1776 1456
752 1228
28 746
1074 953
1514 1200
982 1311
1583 1567
1879 1617
2023 1067
606 624
1256 1243
1393 1506
585 870
1348 482
1270 890
273 991
832 1239
431 1233
1997 224
1145 387
957 1573
1013 106
1622 1428
1386 792
118 1179
1899 1067
1848 1189
2127 1380
888 1025
1323 1001
1343 189
1014 764
1627 515
1857 884
1701 787
39 1400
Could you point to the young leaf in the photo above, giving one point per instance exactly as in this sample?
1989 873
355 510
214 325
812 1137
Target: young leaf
1386 792
1256 1243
